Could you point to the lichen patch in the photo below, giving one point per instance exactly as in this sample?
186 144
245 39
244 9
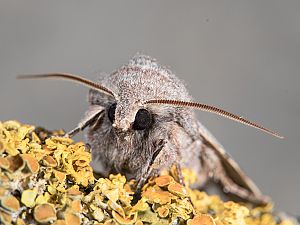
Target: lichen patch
47 179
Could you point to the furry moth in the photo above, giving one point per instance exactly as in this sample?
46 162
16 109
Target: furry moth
141 120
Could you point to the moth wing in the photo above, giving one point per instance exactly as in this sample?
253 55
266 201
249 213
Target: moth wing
232 169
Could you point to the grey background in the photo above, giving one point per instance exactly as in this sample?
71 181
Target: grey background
243 56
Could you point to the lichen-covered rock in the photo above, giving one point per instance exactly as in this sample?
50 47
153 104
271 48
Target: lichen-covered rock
46 179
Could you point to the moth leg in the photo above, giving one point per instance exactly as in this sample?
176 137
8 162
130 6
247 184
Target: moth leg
177 146
203 177
179 173
140 184
154 164
181 181
92 116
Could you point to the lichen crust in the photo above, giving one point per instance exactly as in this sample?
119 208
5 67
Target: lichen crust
46 178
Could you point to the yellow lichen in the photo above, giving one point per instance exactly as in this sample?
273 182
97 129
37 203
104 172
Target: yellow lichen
28 197
47 179
20 222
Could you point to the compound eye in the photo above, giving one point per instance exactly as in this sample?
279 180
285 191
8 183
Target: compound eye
143 120
111 112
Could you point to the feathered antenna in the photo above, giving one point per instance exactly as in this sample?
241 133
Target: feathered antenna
72 77
212 109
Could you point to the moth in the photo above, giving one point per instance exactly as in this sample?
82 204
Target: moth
141 120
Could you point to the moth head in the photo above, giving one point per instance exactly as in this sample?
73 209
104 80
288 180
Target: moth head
137 120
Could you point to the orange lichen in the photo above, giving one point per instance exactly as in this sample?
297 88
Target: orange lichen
61 176
2 191
158 196
164 180
50 161
5 218
139 223
31 163
74 191
124 220
163 211
72 219
59 222
177 189
76 206
201 220
46 179
44 213
10 203
4 163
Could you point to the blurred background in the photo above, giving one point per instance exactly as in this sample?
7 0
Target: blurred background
243 56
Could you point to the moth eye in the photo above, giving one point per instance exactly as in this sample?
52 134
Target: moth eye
143 120
111 112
